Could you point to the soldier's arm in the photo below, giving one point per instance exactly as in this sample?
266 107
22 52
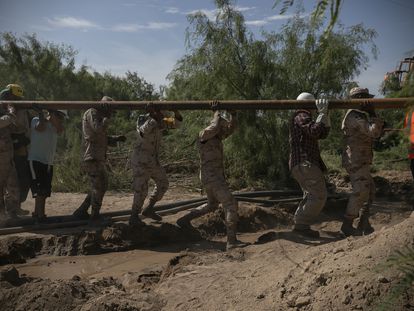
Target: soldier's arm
212 130
96 122
7 117
371 128
232 125
21 121
147 127
6 120
178 116
310 127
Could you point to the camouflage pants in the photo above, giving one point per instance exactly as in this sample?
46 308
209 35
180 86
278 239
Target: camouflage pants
98 180
312 182
363 191
142 174
218 192
9 187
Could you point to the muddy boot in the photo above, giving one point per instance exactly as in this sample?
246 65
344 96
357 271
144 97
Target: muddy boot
306 231
364 227
135 221
232 241
149 211
39 212
82 210
347 229
21 212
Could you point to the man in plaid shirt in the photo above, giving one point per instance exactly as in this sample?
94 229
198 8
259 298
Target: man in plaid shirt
306 163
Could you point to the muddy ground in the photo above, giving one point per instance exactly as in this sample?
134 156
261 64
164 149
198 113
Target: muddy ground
161 267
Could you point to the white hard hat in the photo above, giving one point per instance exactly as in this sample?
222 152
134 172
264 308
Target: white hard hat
305 96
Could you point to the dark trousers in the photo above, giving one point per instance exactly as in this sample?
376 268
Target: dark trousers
23 175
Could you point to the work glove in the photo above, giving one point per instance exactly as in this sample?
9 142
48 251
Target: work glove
214 105
11 109
322 105
323 115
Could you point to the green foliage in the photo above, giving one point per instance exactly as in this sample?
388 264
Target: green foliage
225 61
319 12
47 71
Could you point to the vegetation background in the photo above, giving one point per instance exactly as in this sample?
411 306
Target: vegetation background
223 61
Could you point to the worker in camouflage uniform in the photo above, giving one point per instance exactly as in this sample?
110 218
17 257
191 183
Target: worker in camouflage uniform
8 176
360 128
146 165
210 143
21 140
306 163
95 123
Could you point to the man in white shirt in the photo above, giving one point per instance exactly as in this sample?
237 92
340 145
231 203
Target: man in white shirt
44 132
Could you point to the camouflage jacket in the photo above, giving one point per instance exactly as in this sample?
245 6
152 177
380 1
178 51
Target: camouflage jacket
95 138
147 146
211 148
7 122
359 134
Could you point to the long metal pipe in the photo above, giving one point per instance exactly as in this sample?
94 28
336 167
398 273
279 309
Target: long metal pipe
379 103
69 222
168 207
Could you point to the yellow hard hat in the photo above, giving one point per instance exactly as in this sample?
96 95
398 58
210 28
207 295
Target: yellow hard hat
15 90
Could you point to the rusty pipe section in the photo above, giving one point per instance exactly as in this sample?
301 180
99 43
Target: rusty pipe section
378 103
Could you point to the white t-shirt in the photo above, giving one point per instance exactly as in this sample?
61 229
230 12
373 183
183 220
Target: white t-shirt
42 144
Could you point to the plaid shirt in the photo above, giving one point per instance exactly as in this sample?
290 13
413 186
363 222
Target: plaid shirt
303 139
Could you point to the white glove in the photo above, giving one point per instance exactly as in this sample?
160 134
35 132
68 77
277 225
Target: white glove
322 105
324 118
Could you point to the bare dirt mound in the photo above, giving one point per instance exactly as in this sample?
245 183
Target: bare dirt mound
252 218
19 293
283 275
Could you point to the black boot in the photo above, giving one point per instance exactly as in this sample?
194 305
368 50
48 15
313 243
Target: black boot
149 211
347 229
135 221
82 211
364 227
306 231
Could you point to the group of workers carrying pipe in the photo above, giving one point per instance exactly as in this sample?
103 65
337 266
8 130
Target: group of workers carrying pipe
27 154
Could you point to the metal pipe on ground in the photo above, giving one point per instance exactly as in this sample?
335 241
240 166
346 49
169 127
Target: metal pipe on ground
379 103
78 223
124 215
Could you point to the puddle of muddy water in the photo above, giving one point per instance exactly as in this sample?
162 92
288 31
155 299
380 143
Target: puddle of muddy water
95 266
